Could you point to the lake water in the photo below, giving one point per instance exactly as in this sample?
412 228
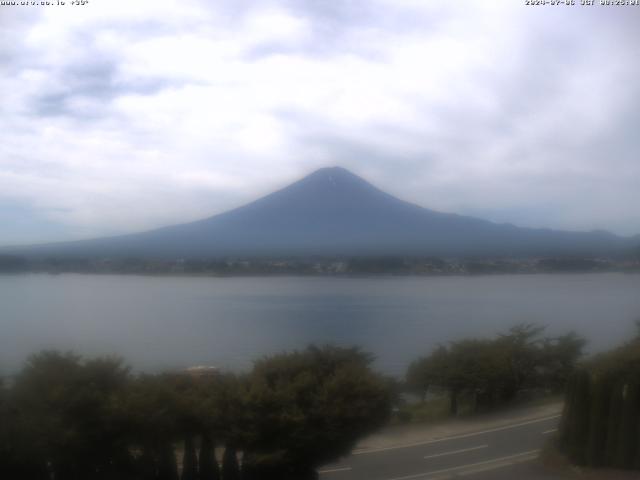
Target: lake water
169 322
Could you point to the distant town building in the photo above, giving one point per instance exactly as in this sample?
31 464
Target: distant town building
200 371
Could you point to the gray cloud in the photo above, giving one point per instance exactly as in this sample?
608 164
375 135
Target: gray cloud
336 27
96 82
94 76
134 116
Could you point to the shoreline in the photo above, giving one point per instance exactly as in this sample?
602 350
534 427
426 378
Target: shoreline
315 275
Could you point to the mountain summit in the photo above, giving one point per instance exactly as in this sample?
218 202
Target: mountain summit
334 212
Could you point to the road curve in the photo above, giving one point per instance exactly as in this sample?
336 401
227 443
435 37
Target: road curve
506 451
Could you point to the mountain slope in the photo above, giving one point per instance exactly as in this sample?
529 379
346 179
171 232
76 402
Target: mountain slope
334 212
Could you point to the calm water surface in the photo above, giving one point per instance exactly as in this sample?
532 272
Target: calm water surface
168 322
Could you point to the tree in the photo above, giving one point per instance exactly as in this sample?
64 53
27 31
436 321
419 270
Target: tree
428 372
167 467
478 368
575 422
68 418
230 467
308 408
153 412
558 359
492 371
18 456
629 421
66 410
207 464
522 346
603 406
223 408
189 460
598 420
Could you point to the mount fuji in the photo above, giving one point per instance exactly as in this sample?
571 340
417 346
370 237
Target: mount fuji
333 212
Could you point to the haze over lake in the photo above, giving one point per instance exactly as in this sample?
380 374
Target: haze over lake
172 322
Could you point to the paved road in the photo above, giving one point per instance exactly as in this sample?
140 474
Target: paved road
504 452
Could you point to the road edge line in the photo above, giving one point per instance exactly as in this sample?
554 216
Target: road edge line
455 437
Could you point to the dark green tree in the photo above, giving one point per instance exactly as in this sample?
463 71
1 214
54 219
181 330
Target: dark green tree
613 424
207 464
598 420
67 411
189 460
493 371
478 369
308 408
522 347
230 466
428 372
558 359
167 466
575 423
153 412
20 455
629 421
251 468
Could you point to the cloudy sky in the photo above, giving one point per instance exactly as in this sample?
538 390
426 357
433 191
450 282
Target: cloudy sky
119 116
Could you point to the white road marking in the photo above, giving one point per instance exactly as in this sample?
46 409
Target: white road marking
547 432
334 470
455 437
470 449
464 469
495 466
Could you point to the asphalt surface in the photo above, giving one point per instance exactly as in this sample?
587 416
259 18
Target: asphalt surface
505 452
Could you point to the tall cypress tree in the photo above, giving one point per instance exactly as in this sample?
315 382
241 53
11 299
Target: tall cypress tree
189 461
628 431
636 453
208 465
230 467
613 424
575 426
250 469
167 467
566 422
146 465
613 411
598 422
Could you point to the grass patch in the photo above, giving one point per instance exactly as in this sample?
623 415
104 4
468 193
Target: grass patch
437 408
429 411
